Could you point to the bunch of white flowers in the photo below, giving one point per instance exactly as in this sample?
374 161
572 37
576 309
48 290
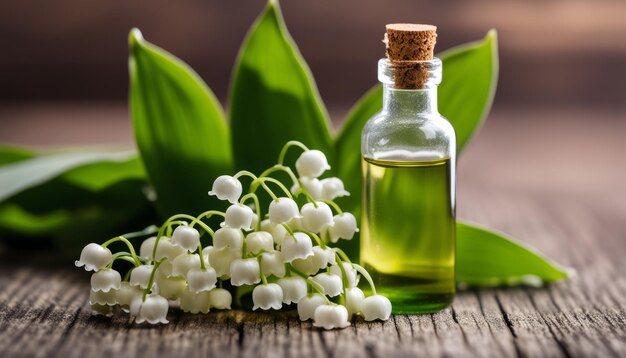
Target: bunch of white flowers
284 253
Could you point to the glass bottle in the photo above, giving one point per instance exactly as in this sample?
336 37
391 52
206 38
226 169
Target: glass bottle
408 233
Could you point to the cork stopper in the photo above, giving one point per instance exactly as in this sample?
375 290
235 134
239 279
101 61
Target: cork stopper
405 44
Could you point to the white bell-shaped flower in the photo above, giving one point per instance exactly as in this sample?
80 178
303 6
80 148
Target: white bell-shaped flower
146 248
220 299
351 273
126 294
170 287
226 187
259 241
103 298
279 233
282 210
354 300
267 296
106 280
183 263
94 257
195 302
331 284
221 259
186 237
312 264
316 218
312 185
331 316
102 310
294 288
298 246
245 272
273 263
312 163
344 227
296 224
140 276
333 188
200 280
153 310
239 216
165 268
228 237
376 307
308 304
167 250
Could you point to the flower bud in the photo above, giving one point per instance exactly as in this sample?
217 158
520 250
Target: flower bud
146 248
376 307
228 237
312 163
259 241
226 187
183 263
332 188
354 300
140 276
312 185
170 287
298 246
153 310
94 257
308 304
331 316
106 280
294 288
200 280
331 284
273 263
239 216
195 302
282 210
186 237
316 218
267 296
220 299
344 227
245 272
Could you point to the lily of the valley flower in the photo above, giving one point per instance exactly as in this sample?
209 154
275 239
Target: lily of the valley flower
200 280
354 300
312 163
308 304
153 310
239 216
282 210
147 247
267 296
259 241
94 257
220 299
167 250
186 237
245 272
312 185
330 283
331 316
279 233
170 287
294 288
272 263
332 188
298 246
228 237
226 187
221 259
195 302
125 295
350 273
344 227
103 298
316 218
102 310
106 280
140 276
376 307
183 263
319 260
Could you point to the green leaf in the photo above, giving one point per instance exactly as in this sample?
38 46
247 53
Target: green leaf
10 155
489 258
100 175
273 97
179 128
20 176
470 73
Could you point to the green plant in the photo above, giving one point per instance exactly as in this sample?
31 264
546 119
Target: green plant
184 143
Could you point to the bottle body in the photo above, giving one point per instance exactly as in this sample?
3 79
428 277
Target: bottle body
408 229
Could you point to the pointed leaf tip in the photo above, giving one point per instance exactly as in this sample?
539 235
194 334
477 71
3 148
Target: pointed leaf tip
134 37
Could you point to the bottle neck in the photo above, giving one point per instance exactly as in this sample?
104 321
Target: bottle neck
410 102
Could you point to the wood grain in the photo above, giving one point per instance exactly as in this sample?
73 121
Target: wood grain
44 311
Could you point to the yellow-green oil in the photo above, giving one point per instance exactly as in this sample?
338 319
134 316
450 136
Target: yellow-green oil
408 232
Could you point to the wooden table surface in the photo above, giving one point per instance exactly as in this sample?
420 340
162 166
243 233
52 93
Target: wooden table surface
554 180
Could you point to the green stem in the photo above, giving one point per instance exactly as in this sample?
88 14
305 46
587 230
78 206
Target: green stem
246 173
291 143
277 182
314 237
288 229
367 276
166 224
130 247
314 285
334 206
344 278
151 281
118 255
263 278
257 207
342 254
